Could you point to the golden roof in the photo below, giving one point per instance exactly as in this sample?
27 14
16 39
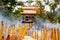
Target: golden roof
29 10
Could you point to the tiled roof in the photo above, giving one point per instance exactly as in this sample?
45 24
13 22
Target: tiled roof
29 10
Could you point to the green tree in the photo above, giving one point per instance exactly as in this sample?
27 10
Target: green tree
9 5
52 16
0 1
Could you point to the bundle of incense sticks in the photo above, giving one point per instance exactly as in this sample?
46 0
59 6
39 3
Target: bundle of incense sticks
58 35
1 30
53 34
12 33
20 32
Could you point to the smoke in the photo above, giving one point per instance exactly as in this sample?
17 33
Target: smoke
7 18
38 24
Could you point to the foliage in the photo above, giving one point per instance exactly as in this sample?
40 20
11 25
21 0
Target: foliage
8 6
18 13
0 1
20 3
51 16
41 9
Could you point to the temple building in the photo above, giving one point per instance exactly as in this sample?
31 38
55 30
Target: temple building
28 14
